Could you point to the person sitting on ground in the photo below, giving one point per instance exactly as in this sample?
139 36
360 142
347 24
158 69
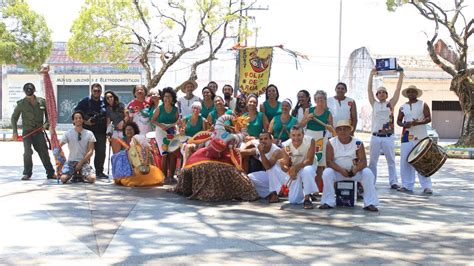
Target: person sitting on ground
346 160
81 147
298 158
132 140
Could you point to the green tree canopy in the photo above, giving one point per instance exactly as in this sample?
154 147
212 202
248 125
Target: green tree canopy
162 30
24 35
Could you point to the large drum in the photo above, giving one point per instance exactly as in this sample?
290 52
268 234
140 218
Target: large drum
427 157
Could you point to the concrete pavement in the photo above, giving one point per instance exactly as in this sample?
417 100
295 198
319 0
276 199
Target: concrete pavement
46 223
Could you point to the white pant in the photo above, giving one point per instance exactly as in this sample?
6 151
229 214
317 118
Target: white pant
268 181
387 144
366 177
303 185
407 171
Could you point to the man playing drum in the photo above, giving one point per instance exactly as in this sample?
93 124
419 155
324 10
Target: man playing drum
383 128
413 117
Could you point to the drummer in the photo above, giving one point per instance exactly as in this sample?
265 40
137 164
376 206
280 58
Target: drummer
413 117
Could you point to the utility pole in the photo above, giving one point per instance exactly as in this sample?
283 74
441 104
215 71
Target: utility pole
340 37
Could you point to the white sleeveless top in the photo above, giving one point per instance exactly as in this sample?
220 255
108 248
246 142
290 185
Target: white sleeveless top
340 110
269 154
344 154
410 113
186 105
382 117
297 155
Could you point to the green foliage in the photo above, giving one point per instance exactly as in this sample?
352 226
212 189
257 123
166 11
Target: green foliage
102 31
25 36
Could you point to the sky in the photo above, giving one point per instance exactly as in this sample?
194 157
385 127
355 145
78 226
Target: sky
310 27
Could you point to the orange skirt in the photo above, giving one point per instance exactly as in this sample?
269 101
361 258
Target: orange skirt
154 178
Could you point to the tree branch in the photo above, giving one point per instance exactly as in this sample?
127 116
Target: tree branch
142 16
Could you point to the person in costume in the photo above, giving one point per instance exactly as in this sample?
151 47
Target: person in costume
346 160
32 110
185 102
271 106
281 124
303 104
137 147
213 173
165 118
298 159
117 115
383 129
207 101
343 107
80 143
318 131
413 117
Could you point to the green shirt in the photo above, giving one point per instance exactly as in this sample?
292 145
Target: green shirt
190 129
205 111
255 126
31 114
271 112
315 126
282 130
214 116
165 117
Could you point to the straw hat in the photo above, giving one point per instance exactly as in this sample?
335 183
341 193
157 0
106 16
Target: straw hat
344 123
412 87
192 82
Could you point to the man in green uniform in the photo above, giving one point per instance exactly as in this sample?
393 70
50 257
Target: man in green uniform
32 110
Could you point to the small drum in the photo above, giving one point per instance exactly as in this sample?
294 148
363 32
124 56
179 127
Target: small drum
427 157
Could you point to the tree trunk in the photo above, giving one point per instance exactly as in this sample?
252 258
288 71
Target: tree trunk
466 99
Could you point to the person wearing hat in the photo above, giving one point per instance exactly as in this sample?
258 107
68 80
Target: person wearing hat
346 160
185 103
281 124
383 127
33 115
413 117
343 107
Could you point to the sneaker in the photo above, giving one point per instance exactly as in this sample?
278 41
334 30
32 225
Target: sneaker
102 176
26 177
404 189
428 191
394 186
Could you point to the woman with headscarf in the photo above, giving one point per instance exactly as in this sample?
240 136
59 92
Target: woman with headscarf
281 125
271 106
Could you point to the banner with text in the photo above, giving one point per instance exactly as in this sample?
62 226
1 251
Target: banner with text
254 69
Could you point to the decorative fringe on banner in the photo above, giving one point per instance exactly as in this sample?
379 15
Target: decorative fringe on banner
295 54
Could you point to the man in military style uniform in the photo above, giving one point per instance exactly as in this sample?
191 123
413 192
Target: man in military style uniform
33 114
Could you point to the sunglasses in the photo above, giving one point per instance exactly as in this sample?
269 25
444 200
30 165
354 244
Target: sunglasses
79 136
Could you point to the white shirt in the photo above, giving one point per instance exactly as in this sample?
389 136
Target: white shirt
340 110
410 113
382 117
77 148
186 105
344 154
232 103
297 154
269 154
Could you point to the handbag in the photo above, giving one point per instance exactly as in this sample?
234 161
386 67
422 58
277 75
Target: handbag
121 165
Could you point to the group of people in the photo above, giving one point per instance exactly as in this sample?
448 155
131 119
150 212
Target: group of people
230 147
